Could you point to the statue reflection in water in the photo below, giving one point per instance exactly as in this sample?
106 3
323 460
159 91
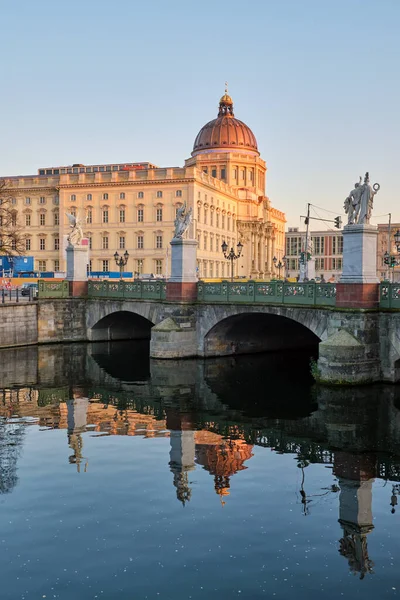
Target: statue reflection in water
356 475
77 421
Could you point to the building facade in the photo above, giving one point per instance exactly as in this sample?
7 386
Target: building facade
328 252
132 206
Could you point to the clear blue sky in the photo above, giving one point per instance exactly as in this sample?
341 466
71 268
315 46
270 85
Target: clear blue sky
318 82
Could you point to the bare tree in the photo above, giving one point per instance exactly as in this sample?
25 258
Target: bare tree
12 239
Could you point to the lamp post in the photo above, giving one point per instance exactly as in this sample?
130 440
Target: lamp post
231 254
121 261
280 265
391 260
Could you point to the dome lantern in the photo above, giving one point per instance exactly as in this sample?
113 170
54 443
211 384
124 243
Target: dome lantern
226 104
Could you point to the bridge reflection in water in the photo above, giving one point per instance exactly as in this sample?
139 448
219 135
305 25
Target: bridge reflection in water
215 414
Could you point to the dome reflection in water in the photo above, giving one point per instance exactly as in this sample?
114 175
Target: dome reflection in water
127 477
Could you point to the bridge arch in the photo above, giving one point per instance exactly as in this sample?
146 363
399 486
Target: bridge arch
121 325
120 320
244 330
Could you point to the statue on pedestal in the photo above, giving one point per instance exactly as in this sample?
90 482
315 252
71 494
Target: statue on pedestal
182 220
76 234
359 203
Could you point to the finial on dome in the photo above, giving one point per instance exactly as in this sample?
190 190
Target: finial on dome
226 104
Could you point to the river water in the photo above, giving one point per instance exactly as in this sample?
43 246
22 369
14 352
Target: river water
128 478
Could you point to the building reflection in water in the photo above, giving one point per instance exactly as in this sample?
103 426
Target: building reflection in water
221 457
206 432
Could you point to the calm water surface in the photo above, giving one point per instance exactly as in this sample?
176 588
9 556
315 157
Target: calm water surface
124 478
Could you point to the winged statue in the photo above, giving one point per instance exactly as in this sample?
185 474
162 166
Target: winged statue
182 220
76 234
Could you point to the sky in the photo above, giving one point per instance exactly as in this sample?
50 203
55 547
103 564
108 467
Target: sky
89 81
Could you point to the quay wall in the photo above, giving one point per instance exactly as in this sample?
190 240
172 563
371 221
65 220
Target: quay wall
18 324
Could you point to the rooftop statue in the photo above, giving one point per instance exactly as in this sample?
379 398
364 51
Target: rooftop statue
359 203
182 220
75 235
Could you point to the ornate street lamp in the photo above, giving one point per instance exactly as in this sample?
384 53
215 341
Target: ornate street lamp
121 261
389 259
280 265
397 240
231 254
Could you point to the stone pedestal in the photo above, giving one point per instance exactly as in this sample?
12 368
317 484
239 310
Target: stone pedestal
182 285
77 261
359 285
359 254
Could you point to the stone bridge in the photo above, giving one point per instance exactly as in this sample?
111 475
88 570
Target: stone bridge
354 346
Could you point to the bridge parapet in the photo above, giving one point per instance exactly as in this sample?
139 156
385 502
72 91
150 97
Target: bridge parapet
271 292
53 289
133 290
129 290
389 295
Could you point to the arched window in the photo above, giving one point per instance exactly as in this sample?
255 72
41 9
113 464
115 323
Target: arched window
89 197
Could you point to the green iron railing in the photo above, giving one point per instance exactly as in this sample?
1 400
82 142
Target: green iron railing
53 289
129 290
389 295
272 292
249 292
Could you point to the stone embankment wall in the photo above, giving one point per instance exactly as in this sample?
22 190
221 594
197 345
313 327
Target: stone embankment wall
18 324
62 320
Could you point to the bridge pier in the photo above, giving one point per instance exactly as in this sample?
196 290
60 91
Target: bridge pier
350 355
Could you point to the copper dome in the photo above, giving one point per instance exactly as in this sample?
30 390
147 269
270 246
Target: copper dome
225 132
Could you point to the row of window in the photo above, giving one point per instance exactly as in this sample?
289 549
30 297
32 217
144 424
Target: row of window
105 243
42 219
122 215
216 217
210 268
43 264
239 175
294 245
139 266
42 200
122 196
89 197
320 265
208 242
43 244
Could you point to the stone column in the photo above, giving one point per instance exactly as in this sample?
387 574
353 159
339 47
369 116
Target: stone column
359 286
263 242
269 255
253 254
77 261
272 252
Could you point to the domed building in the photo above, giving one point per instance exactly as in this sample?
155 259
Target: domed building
226 153
132 207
